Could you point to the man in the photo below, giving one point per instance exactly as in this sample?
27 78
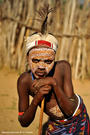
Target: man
50 80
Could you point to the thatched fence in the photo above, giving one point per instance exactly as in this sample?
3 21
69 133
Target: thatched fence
70 23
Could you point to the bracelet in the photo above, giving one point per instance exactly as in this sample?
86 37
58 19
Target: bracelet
20 113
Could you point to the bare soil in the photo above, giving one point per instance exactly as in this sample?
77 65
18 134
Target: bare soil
9 104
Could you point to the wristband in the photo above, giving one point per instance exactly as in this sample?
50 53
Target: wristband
20 113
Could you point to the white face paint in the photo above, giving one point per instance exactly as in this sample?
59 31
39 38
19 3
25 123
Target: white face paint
41 61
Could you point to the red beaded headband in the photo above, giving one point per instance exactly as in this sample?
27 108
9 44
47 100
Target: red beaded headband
41 42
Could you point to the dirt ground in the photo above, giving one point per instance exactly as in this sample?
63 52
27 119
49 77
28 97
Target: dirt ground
9 104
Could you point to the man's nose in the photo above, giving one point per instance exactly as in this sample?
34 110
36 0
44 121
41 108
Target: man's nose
41 66
42 69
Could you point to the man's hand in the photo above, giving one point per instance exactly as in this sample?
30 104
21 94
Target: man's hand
42 92
42 82
43 87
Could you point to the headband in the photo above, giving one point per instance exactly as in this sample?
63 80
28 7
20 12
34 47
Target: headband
39 39
41 42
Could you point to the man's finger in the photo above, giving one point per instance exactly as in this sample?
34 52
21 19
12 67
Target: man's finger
34 82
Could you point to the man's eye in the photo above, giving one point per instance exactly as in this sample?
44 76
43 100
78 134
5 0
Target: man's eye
48 61
35 60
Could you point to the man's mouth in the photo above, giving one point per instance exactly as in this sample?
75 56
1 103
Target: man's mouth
40 74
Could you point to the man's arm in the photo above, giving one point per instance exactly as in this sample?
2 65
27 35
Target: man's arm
29 110
66 97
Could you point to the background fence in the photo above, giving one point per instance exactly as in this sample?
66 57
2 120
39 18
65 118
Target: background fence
70 23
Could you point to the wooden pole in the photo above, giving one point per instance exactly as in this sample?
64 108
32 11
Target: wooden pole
41 117
60 35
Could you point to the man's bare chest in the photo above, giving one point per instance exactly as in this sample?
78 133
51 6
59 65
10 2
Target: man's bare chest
51 107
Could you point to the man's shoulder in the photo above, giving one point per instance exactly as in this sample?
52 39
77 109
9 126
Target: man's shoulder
63 64
62 67
24 77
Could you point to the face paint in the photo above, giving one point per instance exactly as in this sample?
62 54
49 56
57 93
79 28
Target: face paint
41 61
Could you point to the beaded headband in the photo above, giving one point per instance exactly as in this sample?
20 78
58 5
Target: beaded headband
41 42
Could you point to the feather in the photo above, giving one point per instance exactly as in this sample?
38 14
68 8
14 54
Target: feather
43 13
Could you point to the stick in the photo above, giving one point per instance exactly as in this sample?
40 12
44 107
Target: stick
41 117
21 23
58 36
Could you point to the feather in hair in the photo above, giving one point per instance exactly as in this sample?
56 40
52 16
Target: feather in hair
43 13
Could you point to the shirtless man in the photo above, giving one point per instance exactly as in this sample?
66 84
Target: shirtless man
51 80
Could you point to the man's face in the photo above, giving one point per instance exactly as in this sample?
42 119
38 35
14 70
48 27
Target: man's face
41 61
